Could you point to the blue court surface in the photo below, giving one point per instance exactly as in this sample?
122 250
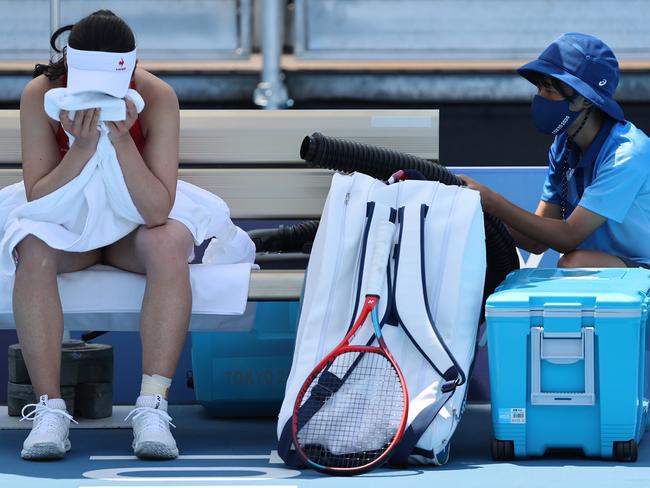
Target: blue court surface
240 453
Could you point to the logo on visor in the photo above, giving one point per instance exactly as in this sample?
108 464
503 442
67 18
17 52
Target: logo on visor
120 65
602 82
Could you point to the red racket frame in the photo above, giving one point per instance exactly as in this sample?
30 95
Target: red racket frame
344 346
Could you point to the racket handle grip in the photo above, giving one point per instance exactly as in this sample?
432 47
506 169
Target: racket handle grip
383 243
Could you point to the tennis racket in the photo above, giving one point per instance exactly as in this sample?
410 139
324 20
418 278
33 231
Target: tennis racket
352 409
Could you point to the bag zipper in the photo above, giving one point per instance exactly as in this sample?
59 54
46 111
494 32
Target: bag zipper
328 314
442 258
301 331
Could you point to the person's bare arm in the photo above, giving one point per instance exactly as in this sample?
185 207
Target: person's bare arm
544 209
562 235
151 178
43 169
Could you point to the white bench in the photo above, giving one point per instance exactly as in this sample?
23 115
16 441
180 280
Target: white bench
251 160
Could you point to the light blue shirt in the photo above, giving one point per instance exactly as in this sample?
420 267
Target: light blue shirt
611 179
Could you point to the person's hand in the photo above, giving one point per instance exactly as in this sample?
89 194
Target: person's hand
487 195
83 128
120 129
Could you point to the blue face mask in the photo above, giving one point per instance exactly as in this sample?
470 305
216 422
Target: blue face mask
552 116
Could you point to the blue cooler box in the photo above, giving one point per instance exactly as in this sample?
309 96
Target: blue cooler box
567 356
243 374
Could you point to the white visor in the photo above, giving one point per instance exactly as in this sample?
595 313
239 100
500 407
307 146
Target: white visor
99 71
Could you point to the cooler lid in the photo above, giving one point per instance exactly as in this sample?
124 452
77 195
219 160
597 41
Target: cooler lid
619 289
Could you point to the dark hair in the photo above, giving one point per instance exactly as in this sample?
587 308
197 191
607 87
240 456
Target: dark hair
538 79
100 31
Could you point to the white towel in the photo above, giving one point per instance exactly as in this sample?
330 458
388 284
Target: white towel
113 109
105 298
95 209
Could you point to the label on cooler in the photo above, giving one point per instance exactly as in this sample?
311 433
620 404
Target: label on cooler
512 415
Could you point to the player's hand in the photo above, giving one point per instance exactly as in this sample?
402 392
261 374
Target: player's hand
120 129
83 128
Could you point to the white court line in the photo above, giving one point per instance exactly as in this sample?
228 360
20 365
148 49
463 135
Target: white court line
195 486
275 458
191 457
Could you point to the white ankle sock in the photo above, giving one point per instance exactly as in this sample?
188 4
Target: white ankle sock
155 385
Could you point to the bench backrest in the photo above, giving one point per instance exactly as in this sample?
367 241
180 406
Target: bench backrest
251 158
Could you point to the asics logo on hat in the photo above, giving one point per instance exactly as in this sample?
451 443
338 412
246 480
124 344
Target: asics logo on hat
120 65
602 82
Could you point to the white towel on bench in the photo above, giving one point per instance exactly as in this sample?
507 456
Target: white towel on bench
95 208
105 298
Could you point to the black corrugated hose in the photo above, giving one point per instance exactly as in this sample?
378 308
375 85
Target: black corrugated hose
285 238
349 156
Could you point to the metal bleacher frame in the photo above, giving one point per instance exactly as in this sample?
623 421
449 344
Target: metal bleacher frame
446 71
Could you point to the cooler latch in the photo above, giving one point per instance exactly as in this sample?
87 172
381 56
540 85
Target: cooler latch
562 348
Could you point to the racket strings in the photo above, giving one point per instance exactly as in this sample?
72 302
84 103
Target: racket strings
351 411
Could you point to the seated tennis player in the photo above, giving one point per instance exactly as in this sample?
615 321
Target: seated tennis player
100 57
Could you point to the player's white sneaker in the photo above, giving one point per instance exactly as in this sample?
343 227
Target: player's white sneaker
152 438
49 436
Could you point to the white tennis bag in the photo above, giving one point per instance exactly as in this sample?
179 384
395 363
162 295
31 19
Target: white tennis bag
430 303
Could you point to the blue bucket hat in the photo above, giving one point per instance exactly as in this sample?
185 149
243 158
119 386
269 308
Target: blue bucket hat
583 62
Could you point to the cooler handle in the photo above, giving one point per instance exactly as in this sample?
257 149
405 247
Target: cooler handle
542 347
